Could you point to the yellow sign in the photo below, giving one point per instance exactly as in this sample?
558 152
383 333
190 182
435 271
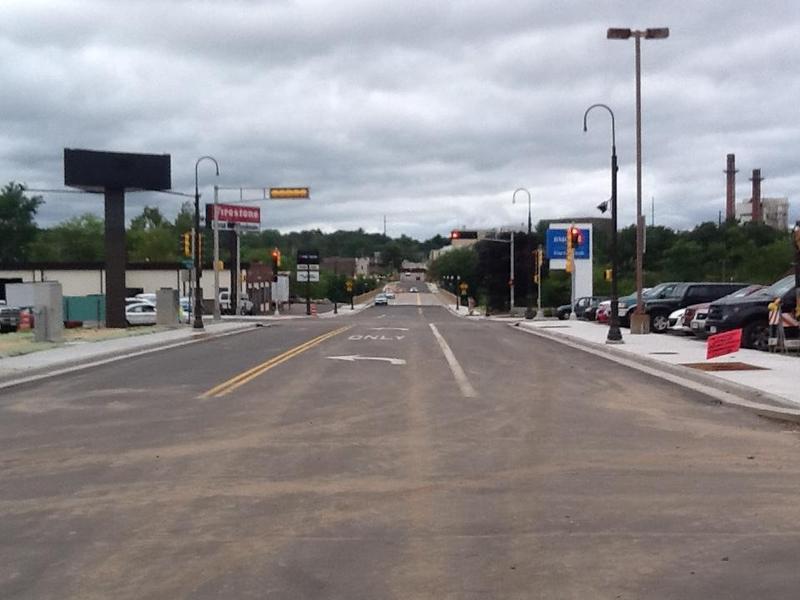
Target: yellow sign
286 193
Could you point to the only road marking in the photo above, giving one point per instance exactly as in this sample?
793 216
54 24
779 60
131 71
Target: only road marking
355 357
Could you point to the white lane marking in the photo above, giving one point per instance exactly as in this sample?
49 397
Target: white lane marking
458 373
355 357
380 316
389 328
382 337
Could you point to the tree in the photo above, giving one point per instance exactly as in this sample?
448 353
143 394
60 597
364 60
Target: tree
17 227
77 239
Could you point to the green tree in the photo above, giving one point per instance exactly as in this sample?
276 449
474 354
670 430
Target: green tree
76 239
17 227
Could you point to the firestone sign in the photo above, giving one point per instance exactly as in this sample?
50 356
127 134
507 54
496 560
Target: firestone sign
233 216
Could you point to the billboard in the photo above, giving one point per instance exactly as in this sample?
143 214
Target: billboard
95 171
557 243
233 216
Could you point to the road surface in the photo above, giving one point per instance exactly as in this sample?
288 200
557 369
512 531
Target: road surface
402 452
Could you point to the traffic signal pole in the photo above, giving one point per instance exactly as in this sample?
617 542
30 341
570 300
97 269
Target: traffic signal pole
215 225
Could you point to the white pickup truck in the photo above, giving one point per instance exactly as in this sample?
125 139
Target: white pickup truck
245 306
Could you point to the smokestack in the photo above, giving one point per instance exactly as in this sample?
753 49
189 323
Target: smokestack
756 199
730 191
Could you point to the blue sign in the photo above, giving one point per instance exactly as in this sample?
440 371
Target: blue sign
557 244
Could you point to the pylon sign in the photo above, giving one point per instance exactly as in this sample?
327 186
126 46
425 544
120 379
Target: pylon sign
557 242
573 256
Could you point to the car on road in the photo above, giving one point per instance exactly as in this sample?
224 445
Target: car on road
751 313
389 294
142 313
682 295
381 300
413 290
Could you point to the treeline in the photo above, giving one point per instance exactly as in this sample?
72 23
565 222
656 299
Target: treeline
750 253
151 237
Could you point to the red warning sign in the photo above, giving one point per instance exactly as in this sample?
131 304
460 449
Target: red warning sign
724 343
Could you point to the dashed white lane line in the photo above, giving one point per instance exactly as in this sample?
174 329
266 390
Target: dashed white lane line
458 373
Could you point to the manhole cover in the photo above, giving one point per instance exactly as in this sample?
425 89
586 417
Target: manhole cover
663 353
729 366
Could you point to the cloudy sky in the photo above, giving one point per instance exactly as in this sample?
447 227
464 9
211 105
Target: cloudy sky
430 113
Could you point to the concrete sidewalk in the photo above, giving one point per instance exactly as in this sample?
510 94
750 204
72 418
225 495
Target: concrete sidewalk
755 377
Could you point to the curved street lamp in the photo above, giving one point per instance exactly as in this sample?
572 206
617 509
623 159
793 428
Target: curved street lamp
528 276
198 291
614 334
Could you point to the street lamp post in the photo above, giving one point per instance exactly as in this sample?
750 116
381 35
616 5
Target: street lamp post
614 334
198 291
639 323
528 254
796 241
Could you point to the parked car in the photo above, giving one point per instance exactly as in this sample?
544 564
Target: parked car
245 306
751 313
590 314
581 304
381 300
682 295
9 318
144 297
695 316
603 314
676 321
142 313
137 300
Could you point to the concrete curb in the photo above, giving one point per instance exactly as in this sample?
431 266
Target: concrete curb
724 392
37 374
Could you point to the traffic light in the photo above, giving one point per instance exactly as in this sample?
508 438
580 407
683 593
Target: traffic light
575 237
536 264
570 249
186 243
458 234
276 263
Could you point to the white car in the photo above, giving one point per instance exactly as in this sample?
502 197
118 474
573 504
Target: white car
413 290
146 297
676 322
141 313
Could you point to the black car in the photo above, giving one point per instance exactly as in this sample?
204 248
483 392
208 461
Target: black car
580 307
751 313
683 295
590 314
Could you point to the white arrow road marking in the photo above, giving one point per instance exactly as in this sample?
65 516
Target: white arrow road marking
355 357
461 378
389 328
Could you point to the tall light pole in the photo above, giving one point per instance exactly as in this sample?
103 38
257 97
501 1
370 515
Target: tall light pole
528 275
198 291
639 322
614 334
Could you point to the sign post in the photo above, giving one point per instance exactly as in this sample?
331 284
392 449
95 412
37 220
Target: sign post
308 271
349 285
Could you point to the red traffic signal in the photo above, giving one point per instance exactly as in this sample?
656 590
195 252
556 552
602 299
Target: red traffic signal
575 236
454 235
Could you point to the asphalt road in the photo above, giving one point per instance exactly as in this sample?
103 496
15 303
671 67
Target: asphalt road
436 457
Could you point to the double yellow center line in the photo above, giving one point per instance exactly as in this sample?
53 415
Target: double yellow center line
226 387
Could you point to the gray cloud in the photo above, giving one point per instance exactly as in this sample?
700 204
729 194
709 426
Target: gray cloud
429 113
